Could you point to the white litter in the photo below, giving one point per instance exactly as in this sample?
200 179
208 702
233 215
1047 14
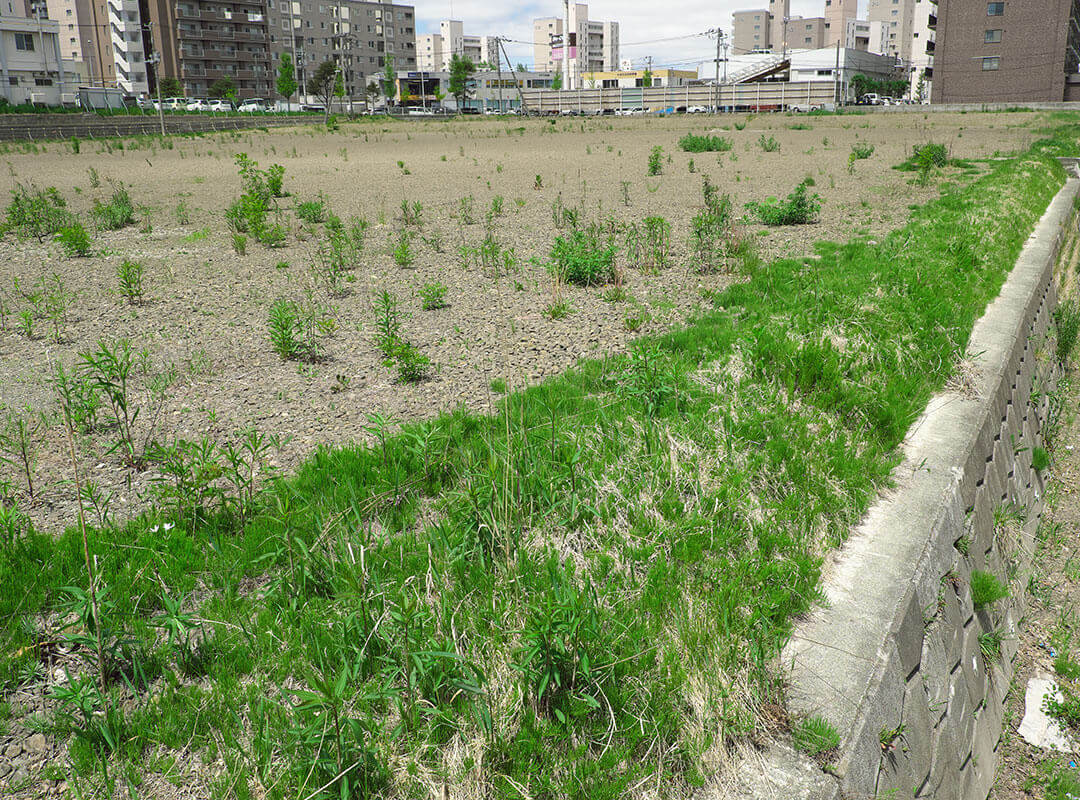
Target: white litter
1036 727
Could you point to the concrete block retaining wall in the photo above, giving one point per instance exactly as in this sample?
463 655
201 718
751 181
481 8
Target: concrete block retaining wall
38 127
893 660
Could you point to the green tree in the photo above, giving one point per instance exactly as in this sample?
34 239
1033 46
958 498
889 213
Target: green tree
371 94
646 78
521 67
556 82
221 88
171 87
389 80
460 70
286 79
323 84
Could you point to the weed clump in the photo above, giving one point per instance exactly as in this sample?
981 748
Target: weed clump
117 213
37 213
74 240
1067 317
296 329
695 143
799 208
986 588
248 214
656 161
583 258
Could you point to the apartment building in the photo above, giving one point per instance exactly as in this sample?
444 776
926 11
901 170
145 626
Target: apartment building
862 34
359 36
751 31
203 41
1006 51
923 45
804 33
779 14
837 14
899 15
434 50
32 68
587 45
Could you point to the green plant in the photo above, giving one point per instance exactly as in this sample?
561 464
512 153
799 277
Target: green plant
1040 458
183 214
118 212
799 208
17 443
403 252
815 735
1067 317
862 150
1066 667
388 322
583 258
558 309
714 241
695 143
890 736
312 211
239 244
990 645
538 183
130 274
296 329
656 161
74 240
769 144
740 125
432 296
986 588
467 210
412 365
497 206
35 212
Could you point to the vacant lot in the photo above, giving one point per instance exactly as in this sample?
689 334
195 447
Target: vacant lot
203 315
579 594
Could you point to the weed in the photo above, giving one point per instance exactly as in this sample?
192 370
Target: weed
129 274
558 309
74 240
814 736
538 183
1067 317
296 329
986 588
239 244
313 211
990 645
769 145
388 322
583 258
403 252
656 161
1040 459
118 212
432 296
39 213
467 210
799 208
740 125
694 143
183 214
862 150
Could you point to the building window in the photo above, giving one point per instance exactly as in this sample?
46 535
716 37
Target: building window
24 41
995 9
992 37
43 81
991 63
13 81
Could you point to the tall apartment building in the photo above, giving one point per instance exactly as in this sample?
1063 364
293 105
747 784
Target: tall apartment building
751 31
589 45
923 45
899 15
203 41
433 50
358 36
1007 51
862 34
779 14
837 14
32 67
804 33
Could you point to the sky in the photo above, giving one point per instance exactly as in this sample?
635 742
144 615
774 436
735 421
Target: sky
641 26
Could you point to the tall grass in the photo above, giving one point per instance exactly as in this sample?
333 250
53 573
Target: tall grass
580 592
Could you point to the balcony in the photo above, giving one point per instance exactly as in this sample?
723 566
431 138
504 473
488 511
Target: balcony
930 47
931 23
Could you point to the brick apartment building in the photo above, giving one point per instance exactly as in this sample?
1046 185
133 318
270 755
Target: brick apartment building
1007 51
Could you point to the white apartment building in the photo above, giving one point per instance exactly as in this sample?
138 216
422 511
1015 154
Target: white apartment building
862 34
899 15
923 36
126 37
589 45
434 50
32 69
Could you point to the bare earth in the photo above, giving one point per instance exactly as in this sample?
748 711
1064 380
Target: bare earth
206 307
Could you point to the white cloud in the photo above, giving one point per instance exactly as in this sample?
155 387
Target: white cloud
640 22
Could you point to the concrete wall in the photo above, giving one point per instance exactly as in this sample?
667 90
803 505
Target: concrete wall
896 648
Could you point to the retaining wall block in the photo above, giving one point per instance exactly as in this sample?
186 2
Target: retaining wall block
859 769
936 666
971 662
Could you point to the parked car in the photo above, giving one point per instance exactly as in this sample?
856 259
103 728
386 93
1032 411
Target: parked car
870 100
172 104
252 105
219 106
697 110
197 104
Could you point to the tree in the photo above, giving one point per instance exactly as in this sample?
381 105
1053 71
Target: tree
323 84
556 82
339 88
646 79
171 87
222 88
460 70
371 94
920 87
389 80
440 95
521 67
286 79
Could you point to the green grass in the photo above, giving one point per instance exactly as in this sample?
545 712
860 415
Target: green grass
601 572
703 143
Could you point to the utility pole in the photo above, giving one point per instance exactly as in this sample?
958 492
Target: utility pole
517 83
716 92
566 46
498 67
836 76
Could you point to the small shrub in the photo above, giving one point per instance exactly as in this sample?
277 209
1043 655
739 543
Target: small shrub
769 145
432 296
582 258
36 212
412 365
130 276
656 161
986 588
740 125
118 213
862 150
694 143
799 208
74 240
814 735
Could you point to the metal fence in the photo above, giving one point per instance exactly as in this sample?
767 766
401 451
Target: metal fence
764 96
35 127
